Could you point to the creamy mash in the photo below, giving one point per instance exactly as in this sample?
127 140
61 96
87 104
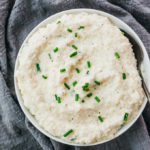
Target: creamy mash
78 78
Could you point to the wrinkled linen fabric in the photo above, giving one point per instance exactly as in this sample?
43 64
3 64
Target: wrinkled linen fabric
17 19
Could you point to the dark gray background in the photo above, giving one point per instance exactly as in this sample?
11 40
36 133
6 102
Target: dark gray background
17 19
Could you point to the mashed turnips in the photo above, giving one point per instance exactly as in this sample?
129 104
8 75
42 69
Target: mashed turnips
78 78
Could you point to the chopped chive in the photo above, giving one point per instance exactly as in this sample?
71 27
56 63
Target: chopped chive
100 118
97 99
38 67
77 70
69 30
97 82
86 84
62 70
73 54
74 83
117 55
76 97
125 116
123 33
123 76
83 101
89 95
81 27
85 87
88 64
44 77
87 72
76 34
58 22
57 98
55 50
67 86
68 132
73 46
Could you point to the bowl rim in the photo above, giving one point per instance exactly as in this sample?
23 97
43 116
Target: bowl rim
118 23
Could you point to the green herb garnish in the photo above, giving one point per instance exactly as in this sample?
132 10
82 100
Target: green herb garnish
123 76
67 86
125 117
76 34
87 72
76 97
73 46
86 84
73 54
69 30
117 55
38 67
55 50
68 132
97 82
83 101
88 64
62 70
44 77
74 83
89 95
77 70
81 27
85 87
58 22
100 118
57 98
97 99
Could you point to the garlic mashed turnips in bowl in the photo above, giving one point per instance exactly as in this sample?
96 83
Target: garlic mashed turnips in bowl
77 76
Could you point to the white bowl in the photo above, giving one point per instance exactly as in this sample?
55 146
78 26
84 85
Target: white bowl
121 25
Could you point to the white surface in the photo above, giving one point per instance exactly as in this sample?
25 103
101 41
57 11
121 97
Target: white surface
120 25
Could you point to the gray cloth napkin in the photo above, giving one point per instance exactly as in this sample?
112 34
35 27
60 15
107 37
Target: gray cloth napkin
17 19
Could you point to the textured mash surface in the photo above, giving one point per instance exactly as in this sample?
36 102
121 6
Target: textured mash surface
97 43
